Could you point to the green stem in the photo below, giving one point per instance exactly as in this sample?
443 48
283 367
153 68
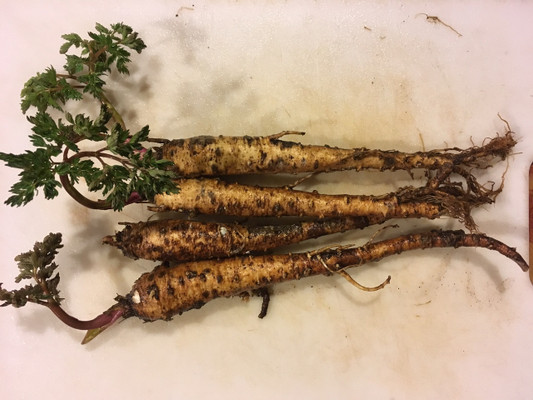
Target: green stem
95 56
99 154
115 114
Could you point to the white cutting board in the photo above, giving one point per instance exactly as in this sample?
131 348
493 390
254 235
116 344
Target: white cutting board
452 324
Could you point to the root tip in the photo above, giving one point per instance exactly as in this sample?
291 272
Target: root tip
109 240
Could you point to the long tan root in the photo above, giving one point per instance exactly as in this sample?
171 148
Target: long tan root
178 240
216 197
235 155
167 291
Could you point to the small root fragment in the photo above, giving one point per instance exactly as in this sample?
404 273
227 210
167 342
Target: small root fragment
436 20
379 231
299 181
184 8
347 276
422 141
265 295
109 239
279 135
340 271
262 292
336 247
508 126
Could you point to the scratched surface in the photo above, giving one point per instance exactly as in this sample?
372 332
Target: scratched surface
452 324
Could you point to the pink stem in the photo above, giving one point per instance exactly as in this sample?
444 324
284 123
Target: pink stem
103 320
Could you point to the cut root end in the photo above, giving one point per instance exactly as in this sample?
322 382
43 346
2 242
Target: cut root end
111 240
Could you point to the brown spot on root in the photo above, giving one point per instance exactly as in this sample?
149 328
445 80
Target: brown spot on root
191 274
153 291
198 304
170 290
